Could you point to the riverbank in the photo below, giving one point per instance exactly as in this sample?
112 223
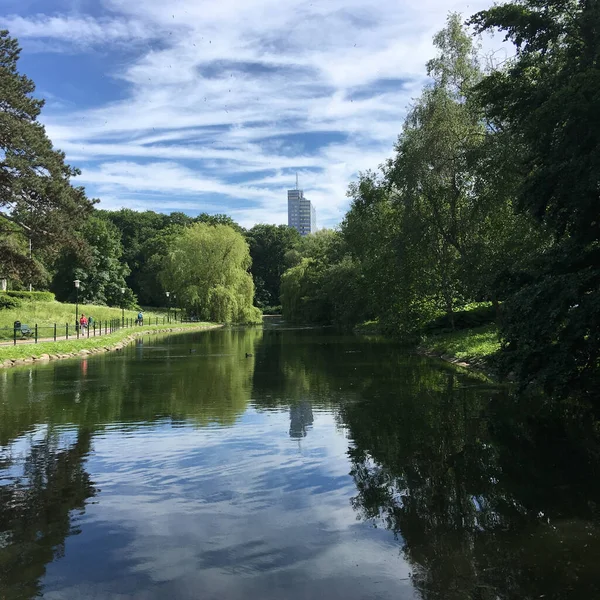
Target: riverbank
474 348
14 356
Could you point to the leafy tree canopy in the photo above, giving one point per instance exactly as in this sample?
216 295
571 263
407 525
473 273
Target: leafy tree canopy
268 247
37 200
207 268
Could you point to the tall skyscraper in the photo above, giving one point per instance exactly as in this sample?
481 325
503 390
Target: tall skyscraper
301 213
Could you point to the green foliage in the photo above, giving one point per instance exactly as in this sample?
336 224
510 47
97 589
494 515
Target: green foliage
469 317
475 344
98 266
144 238
38 296
326 285
37 201
7 302
492 195
303 299
268 247
207 268
547 99
272 310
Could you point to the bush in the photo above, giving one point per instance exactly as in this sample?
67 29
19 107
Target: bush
271 310
479 315
6 302
39 296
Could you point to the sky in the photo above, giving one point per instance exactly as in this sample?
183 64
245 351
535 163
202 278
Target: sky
214 106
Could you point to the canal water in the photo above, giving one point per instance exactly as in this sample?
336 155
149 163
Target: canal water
320 466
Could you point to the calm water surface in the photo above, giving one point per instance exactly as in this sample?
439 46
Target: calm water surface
324 466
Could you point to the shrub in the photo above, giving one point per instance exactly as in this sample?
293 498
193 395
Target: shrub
6 302
39 296
271 310
470 318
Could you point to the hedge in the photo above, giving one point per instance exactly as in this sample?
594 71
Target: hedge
40 296
6 302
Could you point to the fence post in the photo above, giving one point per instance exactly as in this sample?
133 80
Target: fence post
15 335
67 330
94 328
54 331
88 329
36 332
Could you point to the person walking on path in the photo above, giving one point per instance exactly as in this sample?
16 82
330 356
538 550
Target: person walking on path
83 322
140 319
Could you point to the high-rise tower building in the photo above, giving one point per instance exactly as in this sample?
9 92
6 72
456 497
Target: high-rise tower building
301 213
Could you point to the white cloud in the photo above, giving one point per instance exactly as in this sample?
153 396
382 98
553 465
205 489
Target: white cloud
78 30
217 97
236 512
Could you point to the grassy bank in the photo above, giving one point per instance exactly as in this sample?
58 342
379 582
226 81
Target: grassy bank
48 313
476 346
60 349
470 340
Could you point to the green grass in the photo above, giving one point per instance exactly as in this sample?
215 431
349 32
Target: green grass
477 345
23 350
46 314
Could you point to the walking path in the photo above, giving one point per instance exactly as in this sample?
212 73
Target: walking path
72 338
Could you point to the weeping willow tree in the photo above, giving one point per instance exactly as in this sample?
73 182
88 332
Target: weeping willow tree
207 268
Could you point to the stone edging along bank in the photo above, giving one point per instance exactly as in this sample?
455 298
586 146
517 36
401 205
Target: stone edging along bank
100 349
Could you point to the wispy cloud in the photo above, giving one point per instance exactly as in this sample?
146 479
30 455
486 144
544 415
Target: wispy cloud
228 99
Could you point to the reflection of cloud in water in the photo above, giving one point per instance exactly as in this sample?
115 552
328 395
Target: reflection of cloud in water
227 513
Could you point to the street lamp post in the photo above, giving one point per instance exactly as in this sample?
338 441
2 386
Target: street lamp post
77 283
168 306
122 307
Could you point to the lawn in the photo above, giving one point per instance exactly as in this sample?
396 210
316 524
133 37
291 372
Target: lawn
470 345
46 314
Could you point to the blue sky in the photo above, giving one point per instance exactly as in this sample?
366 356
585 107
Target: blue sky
213 106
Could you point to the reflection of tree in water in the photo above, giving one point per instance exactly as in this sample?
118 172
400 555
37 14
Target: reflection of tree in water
35 511
301 418
487 508
211 385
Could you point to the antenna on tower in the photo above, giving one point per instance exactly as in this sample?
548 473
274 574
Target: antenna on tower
296 180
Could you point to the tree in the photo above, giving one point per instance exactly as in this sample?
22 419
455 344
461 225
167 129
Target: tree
326 285
138 231
434 172
98 265
207 267
547 99
37 201
218 219
268 247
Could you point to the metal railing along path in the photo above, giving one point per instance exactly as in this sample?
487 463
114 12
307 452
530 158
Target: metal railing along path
27 333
